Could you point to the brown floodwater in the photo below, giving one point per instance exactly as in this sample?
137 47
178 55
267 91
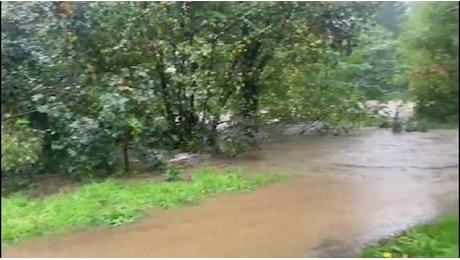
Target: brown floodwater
343 192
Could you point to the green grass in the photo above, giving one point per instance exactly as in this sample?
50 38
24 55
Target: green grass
438 240
112 203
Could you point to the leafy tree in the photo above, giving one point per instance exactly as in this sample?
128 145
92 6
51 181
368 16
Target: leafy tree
104 79
430 44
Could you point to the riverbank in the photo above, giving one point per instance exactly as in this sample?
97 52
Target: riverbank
113 203
434 240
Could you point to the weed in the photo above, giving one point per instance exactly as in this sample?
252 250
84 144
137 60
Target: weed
173 173
112 203
438 239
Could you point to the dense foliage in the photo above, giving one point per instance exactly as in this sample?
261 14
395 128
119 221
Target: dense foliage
379 63
101 79
94 82
429 45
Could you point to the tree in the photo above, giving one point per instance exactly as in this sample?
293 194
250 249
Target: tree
103 79
430 44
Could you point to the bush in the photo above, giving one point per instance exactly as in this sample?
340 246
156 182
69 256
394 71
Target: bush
21 146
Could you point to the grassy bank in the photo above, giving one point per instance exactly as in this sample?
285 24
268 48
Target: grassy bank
438 240
112 203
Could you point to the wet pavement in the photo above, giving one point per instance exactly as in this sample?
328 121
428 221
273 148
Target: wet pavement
344 192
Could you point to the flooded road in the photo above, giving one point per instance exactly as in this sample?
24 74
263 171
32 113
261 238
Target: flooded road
343 193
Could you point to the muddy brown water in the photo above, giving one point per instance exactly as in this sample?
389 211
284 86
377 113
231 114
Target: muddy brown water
344 192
